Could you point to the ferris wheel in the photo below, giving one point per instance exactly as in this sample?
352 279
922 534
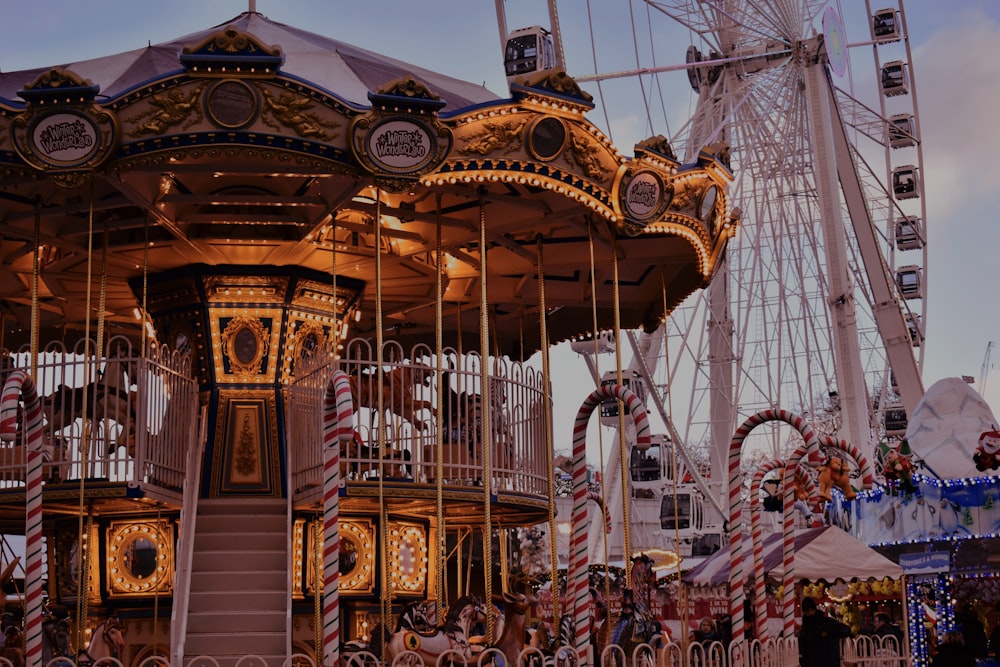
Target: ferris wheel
821 306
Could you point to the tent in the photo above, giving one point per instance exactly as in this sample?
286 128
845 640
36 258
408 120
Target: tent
826 553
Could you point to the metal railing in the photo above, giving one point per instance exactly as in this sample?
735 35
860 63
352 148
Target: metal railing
403 401
118 416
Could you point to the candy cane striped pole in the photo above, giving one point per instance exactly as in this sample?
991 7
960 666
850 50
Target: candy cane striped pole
596 497
757 537
578 579
19 387
737 577
338 427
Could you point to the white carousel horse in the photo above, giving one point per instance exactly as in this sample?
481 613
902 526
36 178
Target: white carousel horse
107 641
451 637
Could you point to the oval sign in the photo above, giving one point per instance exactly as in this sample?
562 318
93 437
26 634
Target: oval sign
643 195
400 145
65 138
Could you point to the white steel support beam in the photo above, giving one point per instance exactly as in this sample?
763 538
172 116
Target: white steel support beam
888 315
851 388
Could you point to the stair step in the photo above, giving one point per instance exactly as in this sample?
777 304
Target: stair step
255 622
228 643
235 542
224 561
223 523
238 579
230 660
238 599
209 601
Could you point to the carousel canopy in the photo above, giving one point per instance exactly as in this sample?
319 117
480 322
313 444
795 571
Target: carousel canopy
339 68
826 553
257 144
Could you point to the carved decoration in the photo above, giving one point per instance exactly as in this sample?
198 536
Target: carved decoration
495 136
293 111
168 110
62 131
659 145
229 51
586 154
407 87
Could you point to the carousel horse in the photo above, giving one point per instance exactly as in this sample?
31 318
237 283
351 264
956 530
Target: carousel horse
636 625
360 459
107 641
515 609
398 391
556 649
430 644
108 399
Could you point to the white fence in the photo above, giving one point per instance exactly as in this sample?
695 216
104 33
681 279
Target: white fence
119 416
403 400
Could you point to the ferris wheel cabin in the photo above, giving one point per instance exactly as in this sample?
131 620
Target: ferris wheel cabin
905 182
894 420
895 79
885 25
902 131
909 279
909 233
528 50
914 328
630 380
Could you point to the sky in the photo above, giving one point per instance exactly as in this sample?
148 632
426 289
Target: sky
956 71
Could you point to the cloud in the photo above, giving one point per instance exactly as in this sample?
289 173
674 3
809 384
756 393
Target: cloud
956 73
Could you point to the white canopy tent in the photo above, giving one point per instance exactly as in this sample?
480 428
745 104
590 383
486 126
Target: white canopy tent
826 553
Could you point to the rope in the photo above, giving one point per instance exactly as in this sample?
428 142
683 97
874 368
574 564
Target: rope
35 274
385 595
622 453
484 427
549 445
442 541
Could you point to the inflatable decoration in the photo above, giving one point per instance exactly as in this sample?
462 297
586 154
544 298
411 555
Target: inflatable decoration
988 452
897 465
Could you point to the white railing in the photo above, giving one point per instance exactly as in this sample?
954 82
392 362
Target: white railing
119 416
404 398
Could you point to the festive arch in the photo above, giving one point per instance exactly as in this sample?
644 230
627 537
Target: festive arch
578 579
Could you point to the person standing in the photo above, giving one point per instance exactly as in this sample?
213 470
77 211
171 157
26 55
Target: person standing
952 652
885 627
819 637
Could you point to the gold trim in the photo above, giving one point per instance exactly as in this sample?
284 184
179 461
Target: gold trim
123 537
360 535
408 557
243 360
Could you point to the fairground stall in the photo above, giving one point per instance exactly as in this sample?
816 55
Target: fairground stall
267 301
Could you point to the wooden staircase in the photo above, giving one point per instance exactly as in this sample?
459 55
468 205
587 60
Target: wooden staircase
239 598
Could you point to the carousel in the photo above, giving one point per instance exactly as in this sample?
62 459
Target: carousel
275 317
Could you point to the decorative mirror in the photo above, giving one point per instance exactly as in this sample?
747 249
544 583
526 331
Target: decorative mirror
140 557
244 343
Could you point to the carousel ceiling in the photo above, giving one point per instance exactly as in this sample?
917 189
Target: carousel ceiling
257 144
